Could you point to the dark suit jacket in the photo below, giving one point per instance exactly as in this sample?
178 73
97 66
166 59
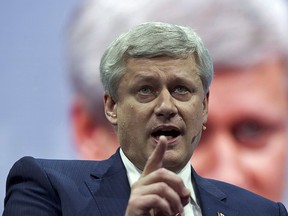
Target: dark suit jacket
38 187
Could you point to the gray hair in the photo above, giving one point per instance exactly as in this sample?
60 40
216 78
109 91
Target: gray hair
149 40
237 33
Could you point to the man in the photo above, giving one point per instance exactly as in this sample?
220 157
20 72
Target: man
245 142
156 79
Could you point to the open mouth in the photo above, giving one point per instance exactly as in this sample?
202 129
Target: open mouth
169 133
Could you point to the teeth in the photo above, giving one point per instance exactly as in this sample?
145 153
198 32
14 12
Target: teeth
169 133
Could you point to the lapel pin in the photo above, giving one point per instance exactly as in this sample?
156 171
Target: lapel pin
220 214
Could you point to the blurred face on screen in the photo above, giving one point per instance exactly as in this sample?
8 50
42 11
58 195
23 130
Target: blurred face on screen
246 138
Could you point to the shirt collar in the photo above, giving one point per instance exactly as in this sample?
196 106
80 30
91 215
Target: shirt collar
134 174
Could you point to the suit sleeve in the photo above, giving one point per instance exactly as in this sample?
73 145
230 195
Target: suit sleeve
29 191
282 210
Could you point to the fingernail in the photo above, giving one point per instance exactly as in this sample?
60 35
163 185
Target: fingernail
180 210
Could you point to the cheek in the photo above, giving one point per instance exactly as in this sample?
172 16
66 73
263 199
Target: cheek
193 116
127 138
125 119
129 116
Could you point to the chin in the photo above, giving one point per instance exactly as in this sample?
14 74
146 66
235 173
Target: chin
173 161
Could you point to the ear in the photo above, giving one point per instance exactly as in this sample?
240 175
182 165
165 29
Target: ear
205 107
110 107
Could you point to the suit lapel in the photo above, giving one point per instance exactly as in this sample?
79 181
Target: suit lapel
110 189
109 186
212 200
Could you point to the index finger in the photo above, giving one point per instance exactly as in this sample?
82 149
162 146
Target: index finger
155 161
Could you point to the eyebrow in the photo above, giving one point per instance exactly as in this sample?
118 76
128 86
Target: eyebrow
143 75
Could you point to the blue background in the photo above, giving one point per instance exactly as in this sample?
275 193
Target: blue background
34 93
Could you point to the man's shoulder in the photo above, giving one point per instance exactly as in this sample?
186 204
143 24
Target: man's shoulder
34 168
233 190
59 185
28 163
241 199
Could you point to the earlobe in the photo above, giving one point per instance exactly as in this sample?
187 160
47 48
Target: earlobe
110 109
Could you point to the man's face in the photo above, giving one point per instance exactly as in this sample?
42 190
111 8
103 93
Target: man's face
245 141
160 96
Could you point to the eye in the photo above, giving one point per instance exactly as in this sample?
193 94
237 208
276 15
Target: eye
182 93
181 90
145 90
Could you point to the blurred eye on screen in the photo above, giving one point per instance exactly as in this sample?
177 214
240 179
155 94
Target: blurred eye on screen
252 133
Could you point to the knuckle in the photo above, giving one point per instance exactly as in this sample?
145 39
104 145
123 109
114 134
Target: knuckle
133 202
162 172
178 181
162 186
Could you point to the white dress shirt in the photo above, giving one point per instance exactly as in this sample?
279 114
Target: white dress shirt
134 174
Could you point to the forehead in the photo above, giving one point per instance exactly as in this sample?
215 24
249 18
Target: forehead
258 92
150 68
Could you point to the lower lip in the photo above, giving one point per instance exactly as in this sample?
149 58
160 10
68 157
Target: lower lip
169 141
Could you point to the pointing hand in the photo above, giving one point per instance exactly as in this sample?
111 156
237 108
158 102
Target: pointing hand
158 191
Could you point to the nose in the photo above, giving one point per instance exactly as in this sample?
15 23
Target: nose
165 106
